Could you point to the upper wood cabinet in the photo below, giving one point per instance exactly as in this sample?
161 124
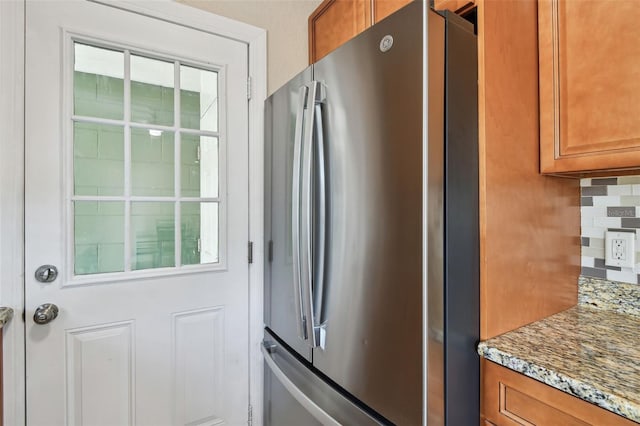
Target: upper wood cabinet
336 21
383 8
461 7
589 72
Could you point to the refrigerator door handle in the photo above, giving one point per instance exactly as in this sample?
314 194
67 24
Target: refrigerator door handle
309 273
295 212
321 227
313 408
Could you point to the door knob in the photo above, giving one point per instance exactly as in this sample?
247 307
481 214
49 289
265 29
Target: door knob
46 273
45 313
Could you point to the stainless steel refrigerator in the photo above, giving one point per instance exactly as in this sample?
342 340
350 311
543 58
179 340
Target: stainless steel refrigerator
371 201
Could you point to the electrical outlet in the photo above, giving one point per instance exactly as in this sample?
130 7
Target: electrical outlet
620 249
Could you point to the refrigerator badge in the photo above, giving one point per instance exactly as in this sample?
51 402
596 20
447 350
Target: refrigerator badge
386 43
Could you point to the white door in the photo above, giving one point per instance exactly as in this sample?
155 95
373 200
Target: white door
136 190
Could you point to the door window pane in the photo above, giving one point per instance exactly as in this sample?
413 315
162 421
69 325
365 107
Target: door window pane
198 99
152 83
152 162
98 82
199 229
199 166
152 235
98 237
131 199
98 159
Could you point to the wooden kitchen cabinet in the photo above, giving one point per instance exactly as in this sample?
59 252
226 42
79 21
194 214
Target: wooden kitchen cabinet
337 21
460 7
529 223
510 398
589 60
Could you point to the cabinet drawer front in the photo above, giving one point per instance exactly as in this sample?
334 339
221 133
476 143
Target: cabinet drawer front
510 398
528 411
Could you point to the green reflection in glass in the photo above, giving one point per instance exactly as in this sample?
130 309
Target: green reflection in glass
98 159
199 227
152 87
98 82
152 235
199 158
98 237
152 162
198 99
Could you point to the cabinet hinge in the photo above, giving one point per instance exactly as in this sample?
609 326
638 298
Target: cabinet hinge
270 251
250 250
249 88
250 416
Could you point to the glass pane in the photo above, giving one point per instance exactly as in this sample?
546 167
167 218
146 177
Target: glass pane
152 84
98 82
152 162
199 158
152 235
198 99
98 237
98 159
199 229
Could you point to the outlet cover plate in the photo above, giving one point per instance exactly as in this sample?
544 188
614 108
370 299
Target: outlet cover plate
620 249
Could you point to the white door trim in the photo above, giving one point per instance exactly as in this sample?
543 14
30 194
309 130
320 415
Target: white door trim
12 180
11 204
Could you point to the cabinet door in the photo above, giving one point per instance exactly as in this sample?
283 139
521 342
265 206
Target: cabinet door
384 8
589 85
334 22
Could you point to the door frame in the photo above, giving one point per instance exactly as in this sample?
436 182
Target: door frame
12 75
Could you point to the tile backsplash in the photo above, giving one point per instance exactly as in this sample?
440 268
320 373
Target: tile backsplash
611 203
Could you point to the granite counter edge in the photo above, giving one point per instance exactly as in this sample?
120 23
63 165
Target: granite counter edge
5 316
561 382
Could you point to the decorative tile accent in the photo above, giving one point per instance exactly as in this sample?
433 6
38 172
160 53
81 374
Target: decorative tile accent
594 190
608 204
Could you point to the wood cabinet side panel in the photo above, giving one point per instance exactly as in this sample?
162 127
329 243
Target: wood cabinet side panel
529 223
552 406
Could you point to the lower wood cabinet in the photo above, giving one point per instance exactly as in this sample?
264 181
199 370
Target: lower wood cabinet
510 398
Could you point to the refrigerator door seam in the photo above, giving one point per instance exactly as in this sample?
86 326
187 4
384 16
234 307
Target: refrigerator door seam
295 213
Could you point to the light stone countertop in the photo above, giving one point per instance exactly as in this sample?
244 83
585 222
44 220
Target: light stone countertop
5 316
590 352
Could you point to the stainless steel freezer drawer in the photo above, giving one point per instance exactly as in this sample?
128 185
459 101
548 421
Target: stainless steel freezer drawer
296 396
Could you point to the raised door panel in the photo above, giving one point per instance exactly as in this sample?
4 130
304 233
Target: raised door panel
510 398
334 22
384 8
589 85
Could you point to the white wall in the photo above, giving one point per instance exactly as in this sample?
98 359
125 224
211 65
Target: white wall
286 25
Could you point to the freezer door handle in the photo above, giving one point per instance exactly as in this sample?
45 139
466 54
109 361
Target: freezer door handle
314 409
295 212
